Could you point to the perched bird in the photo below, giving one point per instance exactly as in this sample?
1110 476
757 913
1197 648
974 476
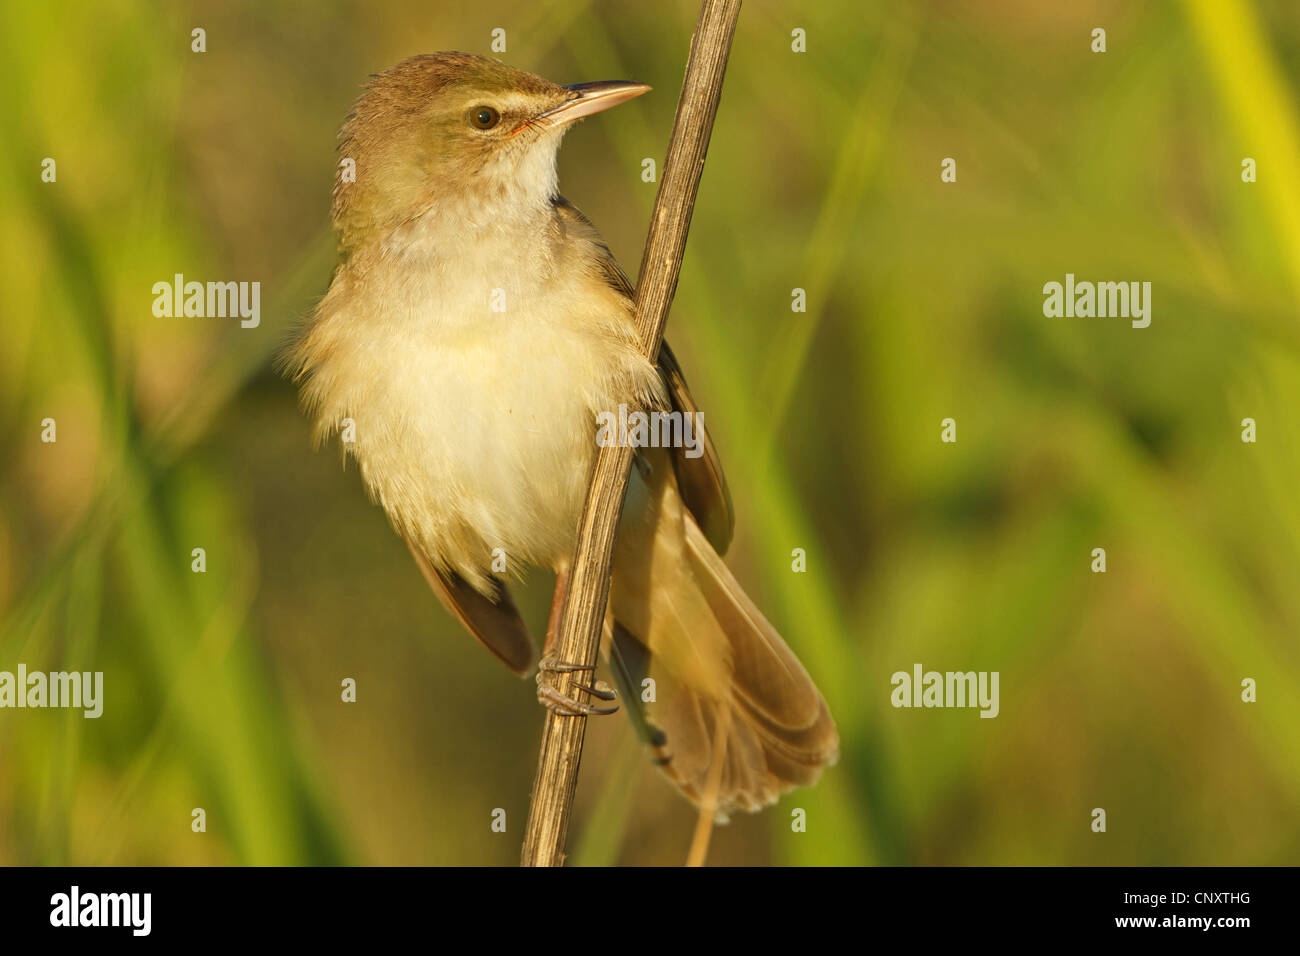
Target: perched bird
474 329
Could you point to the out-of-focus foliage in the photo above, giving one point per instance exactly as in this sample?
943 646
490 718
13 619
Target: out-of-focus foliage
1118 690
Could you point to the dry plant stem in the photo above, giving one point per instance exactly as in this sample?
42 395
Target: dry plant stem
583 615
709 803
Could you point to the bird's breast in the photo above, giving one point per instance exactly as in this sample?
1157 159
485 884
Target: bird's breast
474 394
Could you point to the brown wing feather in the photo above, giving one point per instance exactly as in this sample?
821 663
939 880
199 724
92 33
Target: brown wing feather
700 480
496 624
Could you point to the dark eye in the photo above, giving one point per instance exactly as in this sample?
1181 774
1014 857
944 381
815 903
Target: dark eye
484 117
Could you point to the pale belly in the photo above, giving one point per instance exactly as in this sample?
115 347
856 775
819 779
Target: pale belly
475 428
481 446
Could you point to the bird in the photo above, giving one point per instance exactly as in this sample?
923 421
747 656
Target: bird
475 327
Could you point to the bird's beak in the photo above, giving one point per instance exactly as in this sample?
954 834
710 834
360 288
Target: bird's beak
588 98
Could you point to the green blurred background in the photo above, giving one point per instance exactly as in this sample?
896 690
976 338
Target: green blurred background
1119 691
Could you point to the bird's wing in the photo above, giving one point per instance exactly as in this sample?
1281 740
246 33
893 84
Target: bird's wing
495 623
700 480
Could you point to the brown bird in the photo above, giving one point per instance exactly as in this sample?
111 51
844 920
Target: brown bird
475 331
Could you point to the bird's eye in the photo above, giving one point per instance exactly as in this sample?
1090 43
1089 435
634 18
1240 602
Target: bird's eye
484 117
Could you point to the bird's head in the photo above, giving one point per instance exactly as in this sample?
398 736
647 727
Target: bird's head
461 131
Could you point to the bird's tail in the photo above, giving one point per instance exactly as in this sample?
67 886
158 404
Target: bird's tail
729 709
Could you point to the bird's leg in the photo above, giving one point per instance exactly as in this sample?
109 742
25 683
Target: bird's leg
557 606
547 695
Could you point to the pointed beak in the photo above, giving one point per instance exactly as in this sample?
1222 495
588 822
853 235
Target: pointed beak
588 98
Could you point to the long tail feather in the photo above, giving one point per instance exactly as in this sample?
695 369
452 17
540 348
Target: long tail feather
781 733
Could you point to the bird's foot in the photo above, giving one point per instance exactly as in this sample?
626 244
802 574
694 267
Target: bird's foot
558 703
